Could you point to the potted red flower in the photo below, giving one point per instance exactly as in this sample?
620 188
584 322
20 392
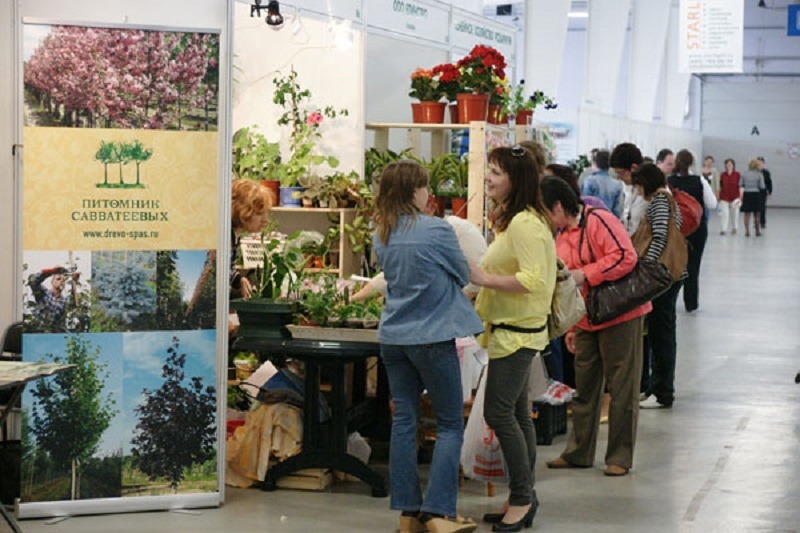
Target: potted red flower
425 87
450 83
480 72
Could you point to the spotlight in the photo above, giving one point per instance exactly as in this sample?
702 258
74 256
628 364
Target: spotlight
274 17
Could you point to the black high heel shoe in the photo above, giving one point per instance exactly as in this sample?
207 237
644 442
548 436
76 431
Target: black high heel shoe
493 518
526 522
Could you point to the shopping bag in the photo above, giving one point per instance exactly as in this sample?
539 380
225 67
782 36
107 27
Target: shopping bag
538 380
481 457
567 306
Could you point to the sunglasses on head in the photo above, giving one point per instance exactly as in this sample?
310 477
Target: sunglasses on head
518 151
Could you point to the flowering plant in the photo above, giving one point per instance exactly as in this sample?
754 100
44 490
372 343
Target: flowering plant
425 86
449 80
516 100
480 68
501 90
305 122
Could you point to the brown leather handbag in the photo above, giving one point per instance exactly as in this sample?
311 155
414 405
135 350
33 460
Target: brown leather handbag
648 280
676 254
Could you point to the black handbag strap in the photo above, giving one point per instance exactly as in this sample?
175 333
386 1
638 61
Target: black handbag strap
583 223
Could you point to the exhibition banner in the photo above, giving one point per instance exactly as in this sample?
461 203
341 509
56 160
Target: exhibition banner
711 36
468 29
426 21
119 232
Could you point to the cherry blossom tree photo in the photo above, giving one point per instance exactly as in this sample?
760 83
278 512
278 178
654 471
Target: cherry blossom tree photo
87 77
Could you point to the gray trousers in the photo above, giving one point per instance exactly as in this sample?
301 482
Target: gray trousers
615 354
507 410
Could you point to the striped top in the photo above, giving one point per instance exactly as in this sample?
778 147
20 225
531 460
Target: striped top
658 216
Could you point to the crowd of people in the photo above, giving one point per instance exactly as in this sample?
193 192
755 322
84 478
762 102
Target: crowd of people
601 226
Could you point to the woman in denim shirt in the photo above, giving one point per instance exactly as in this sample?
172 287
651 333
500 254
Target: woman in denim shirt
517 279
425 311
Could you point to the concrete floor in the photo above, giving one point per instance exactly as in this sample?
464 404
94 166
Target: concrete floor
726 458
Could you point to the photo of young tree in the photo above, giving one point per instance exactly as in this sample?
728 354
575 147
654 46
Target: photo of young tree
135 417
125 78
123 291
72 435
170 405
186 286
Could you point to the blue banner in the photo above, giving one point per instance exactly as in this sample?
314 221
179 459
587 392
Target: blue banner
793 25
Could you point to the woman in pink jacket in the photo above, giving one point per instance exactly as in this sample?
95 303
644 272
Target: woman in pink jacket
596 248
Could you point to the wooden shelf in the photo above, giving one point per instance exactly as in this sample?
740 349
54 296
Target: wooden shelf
292 219
481 136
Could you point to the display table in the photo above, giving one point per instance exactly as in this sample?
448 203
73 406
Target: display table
321 448
14 375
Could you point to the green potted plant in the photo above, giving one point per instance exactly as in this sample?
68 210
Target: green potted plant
376 160
255 158
266 313
318 301
304 121
440 172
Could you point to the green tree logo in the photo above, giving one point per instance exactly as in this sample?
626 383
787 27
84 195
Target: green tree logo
122 154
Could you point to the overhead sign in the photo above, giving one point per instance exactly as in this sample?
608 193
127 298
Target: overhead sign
415 18
793 24
711 35
468 29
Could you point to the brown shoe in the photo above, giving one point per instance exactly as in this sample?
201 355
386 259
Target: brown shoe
448 524
560 462
616 470
411 524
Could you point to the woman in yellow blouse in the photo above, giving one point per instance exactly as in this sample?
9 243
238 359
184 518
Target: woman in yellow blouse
517 279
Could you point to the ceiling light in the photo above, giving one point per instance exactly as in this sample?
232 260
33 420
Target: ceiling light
582 14
342 34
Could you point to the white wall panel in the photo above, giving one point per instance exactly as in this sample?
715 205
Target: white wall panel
730 112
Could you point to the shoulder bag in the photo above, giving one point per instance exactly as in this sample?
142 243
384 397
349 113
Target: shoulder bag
676 253
567 306
691 211
604 302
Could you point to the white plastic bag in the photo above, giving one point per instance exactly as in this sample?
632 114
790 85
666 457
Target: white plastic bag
481 457
538 380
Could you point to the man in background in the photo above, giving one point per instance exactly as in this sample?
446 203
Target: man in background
665 160
600 185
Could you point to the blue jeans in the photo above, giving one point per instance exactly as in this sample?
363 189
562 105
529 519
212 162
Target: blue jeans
412 369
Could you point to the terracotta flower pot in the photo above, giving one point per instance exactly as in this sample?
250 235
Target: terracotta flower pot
432 112
472 107
523 115
416 112
274 190
453 107
460 207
